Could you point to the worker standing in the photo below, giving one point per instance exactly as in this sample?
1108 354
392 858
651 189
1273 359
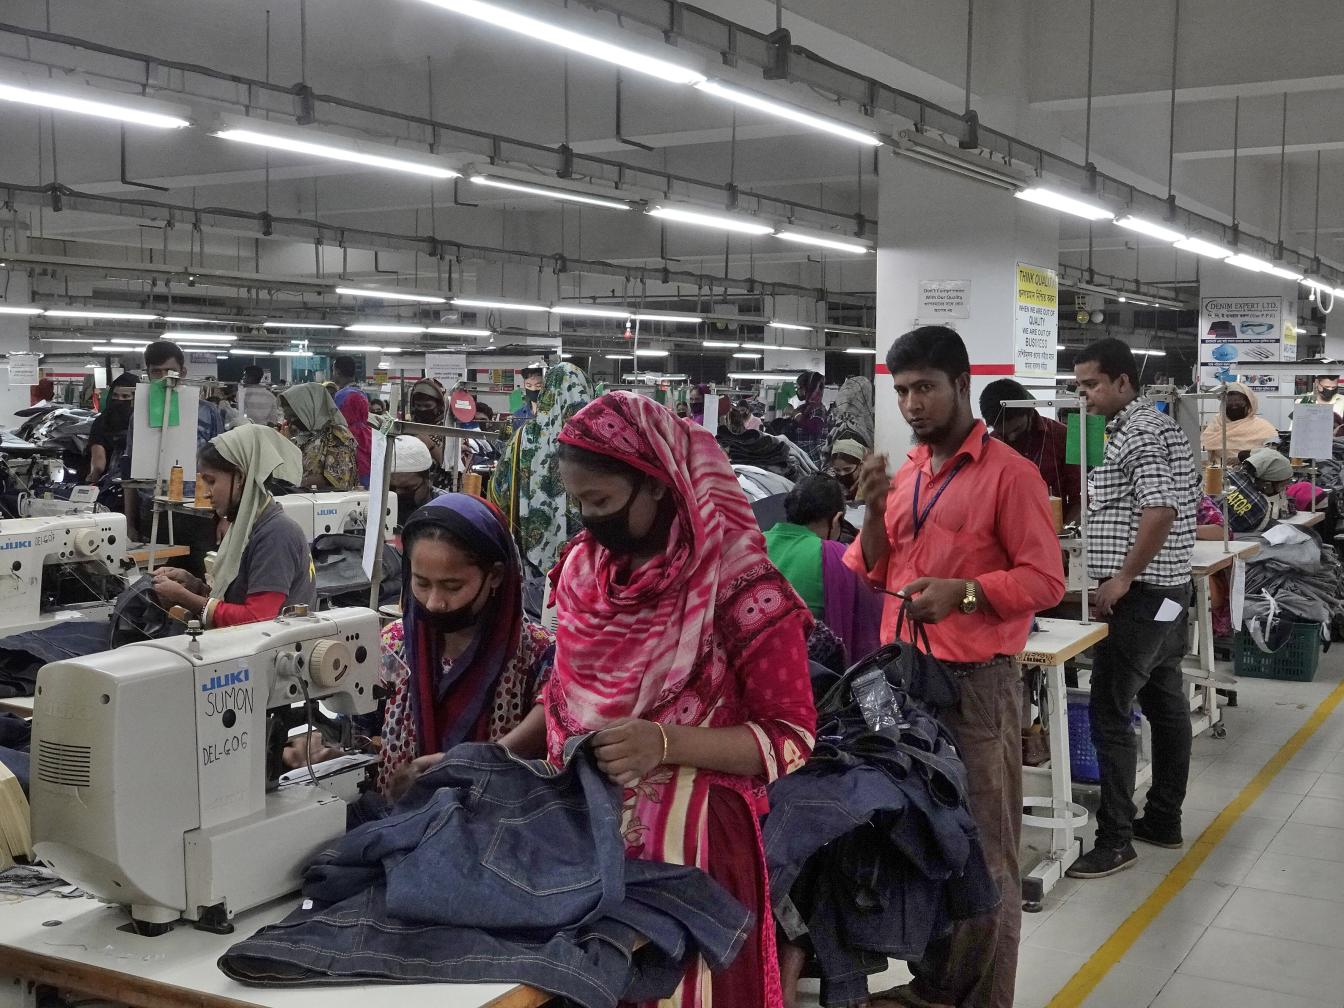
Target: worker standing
1038 438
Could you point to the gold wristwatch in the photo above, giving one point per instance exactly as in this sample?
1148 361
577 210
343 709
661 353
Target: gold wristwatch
969 602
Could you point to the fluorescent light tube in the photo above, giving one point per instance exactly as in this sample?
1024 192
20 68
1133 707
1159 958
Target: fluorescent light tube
1055 200
290 353
390 295
619 356
687 319
379 327
299 325
1311 282
854 245
243 352
360 348
384 364
651 353
719 221
1205 248
333 146
550 193
785 110
720 345
124 316
791 326
870 351
1151 353
1282 272
117 348
1060 346
1147 227
499 305
19 310
748 356
187 337
583 44
126 108
1247 262
457 331
761 376
770 346
51 339
593 311
179 320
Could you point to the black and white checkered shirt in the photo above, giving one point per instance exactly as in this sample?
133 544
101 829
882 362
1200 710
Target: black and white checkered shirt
1148 463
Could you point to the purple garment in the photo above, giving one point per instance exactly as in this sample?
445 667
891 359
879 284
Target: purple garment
853 609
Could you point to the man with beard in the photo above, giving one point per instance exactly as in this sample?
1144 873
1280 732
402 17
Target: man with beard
1034 437
107 436
964 532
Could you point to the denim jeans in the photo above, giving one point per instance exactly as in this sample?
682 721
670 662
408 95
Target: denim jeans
1141 659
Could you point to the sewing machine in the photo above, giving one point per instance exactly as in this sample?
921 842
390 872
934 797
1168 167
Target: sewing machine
82 500
59 568
1075 563
150 784
319 514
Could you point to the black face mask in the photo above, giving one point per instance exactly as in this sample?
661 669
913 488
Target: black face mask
426 415
532 394
1235 413
231 512
118 414
455 620
1328 393
613 531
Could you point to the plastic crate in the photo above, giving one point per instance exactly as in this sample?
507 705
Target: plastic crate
1082 756
1296 661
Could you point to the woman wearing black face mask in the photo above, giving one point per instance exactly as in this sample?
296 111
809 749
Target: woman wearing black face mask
107 436
1239 424
264 561
463 664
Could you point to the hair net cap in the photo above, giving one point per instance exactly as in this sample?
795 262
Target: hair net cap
410 455
1270 465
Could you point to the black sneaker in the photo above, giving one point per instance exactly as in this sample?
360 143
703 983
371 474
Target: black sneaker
1102 861
1158 836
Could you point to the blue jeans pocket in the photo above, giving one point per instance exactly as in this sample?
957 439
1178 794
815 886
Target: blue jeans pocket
524 851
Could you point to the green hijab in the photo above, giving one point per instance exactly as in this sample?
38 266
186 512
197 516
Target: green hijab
314 409
259 453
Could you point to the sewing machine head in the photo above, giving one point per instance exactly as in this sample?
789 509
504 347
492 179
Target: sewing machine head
150 783
347 511
50 567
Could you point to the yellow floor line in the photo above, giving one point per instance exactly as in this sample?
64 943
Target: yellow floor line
1076 991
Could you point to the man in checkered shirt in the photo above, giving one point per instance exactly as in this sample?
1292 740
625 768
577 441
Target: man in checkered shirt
1140 537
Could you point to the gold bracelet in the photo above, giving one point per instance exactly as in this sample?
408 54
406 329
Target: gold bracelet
662 731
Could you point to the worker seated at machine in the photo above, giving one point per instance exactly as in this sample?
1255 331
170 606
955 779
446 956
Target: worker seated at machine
264 562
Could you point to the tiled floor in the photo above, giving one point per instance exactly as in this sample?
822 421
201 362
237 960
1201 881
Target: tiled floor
1262 921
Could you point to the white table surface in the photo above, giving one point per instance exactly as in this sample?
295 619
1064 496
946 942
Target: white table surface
1304 519
1210 556
1058 640
186 959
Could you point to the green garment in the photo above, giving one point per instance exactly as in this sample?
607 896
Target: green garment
796 551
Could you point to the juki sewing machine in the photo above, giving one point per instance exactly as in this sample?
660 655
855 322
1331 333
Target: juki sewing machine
1075 563
319 514
58 568
150 782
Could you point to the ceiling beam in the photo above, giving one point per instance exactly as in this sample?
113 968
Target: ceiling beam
1212 92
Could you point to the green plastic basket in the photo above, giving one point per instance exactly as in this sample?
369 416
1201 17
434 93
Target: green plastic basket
1296 661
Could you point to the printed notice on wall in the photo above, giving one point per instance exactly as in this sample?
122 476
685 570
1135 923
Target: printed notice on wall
448 369
1236 334
1036 326
23 369
1313 431
944 299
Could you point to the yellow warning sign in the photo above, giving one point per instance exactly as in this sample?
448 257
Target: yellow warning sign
1036 286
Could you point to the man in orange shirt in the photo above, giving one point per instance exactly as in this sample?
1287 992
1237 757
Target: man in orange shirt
964 531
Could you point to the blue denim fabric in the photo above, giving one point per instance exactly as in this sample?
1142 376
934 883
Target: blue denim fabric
871 849
501 849
486 839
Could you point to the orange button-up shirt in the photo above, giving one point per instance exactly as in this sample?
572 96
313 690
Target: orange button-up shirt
991 524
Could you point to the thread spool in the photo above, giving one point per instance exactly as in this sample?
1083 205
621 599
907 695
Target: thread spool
176 481
1057 509
472 484
1213 479
201 499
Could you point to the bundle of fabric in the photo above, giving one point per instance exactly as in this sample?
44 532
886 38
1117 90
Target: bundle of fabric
758 449
871 848
495 869
1298 577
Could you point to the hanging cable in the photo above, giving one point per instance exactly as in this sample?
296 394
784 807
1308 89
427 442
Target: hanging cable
970 25
1283 162
1091 52
1236 151
1171 135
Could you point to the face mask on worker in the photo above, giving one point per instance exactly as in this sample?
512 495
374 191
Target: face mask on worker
457 620
1328 392
613 531
1236 411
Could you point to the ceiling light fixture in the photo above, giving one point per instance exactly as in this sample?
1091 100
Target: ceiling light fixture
721 222
117 348
870 351
244 352
719 345
786 110
180 320
1131 223
748 356
770 346
550 193
458 331
390 295
19 310
498 305
1205 248
651 353
1151 353
1053 199
684 319
187 337
360 348
583 43
299 325
333 146
380 327
289 353
52 339
772 376
969 164
591 311
124 316
126 108
793 326
619 356
856 246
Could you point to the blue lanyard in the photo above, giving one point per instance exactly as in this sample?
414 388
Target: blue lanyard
920 517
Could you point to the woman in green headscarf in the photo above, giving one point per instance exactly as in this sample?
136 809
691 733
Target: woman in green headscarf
322 436
265 561
526 485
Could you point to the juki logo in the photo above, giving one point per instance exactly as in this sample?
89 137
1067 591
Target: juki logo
323 512
228 679
17 544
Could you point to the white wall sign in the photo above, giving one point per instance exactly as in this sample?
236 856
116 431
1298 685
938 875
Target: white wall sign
23 369
944 299
1036 321
448 369
1313 431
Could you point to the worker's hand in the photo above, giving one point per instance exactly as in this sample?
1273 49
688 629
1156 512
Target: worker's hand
305 749
407 775
873 484
934 599
1110 593
628 750
177 574
170 592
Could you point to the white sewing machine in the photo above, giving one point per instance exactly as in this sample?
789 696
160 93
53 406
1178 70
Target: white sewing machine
149 778
1075 563
82 500
90 547
319 514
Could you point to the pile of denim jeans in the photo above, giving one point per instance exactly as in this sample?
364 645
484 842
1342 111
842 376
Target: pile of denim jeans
870 847
495 869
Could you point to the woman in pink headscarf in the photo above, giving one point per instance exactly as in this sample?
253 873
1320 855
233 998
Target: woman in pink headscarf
683 646
355 409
